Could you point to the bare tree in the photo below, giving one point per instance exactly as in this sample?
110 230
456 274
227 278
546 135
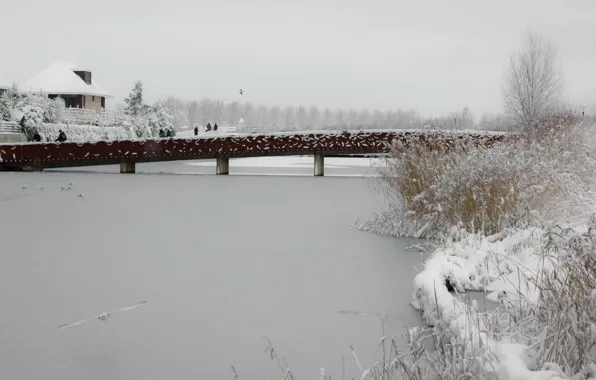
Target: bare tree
534 83
192 113
218 107
176 107
315 117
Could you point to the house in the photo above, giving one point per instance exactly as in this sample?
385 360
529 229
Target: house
76 86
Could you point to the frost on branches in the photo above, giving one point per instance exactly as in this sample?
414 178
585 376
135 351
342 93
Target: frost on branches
160 118
514 220
135 106
147 121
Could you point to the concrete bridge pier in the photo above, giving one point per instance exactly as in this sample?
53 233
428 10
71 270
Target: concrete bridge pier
319 165
31 168
127 167
222 166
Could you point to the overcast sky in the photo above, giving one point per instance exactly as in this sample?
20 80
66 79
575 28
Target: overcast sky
434 56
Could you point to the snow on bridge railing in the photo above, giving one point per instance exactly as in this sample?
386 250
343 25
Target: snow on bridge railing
219 134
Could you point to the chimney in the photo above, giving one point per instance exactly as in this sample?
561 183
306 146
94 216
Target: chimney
84 75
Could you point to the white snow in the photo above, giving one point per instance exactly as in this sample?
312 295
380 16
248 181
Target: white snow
506 268
59 78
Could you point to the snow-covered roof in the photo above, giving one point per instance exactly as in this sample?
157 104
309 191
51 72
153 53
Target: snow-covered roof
4 85
60 79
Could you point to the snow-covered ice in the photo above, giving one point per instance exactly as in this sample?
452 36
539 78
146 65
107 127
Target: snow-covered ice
221 261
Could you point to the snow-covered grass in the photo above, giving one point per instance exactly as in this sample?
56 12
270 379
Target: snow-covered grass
514 221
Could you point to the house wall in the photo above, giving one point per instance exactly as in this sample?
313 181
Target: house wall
93 104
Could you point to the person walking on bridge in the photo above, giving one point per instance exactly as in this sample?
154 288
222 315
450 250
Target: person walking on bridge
36 136
61 136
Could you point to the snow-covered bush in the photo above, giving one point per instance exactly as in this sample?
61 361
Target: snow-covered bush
23 108
544 280
159 118
55 111
141 128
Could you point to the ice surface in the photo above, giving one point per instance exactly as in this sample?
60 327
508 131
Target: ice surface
221 261
293 161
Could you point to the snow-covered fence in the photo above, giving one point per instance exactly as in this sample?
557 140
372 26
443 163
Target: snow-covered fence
85 133
81 116
9 127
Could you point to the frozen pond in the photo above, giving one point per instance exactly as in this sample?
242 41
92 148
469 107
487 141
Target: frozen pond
221 261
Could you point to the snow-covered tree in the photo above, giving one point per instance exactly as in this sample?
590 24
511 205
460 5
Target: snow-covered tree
135 105
160 118
9 101
55 111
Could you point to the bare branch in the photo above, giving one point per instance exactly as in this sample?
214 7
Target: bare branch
534 84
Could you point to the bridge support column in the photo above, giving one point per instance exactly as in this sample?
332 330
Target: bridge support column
222 166
31 168
127 167
319 164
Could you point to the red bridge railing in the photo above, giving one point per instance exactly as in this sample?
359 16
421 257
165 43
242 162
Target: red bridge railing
32 156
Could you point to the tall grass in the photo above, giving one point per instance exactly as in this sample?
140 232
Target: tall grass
485 190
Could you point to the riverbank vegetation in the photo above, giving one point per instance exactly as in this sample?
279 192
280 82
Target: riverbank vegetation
514 220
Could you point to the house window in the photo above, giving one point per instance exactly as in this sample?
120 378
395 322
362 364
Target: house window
70 101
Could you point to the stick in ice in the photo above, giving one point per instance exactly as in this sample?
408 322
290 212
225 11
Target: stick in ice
102 316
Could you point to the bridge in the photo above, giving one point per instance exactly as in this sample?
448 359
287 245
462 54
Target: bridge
127 153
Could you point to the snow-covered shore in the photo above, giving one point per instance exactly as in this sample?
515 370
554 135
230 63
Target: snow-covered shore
510 268
540 269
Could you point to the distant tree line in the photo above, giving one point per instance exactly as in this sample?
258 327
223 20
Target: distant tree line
193 113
